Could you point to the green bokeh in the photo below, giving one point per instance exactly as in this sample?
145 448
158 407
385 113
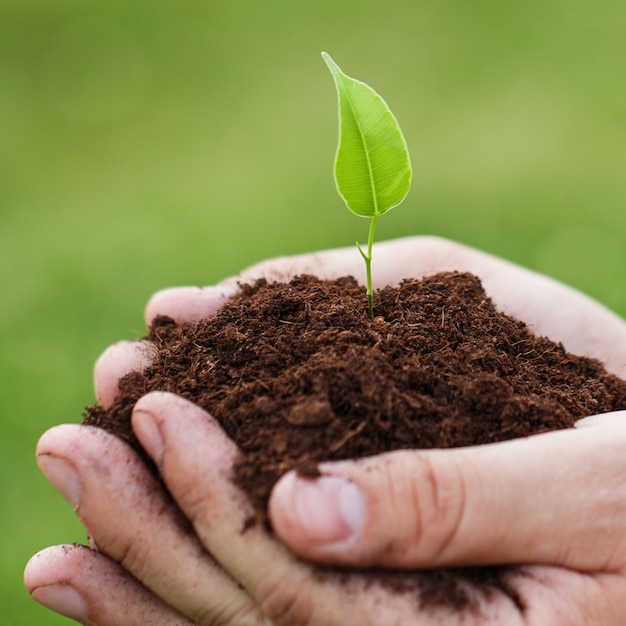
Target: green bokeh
145 144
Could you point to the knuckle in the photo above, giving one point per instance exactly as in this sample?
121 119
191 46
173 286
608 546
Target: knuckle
285 602
449 510
129 553
229 613
428 501
399 514
196 504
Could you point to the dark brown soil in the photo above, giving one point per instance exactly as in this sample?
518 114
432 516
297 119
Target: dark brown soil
297 373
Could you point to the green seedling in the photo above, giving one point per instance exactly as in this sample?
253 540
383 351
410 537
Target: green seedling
372 165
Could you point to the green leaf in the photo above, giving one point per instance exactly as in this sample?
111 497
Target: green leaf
372 165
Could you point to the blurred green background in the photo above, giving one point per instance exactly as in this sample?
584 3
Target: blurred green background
147 143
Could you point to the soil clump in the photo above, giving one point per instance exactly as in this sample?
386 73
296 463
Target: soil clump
296 373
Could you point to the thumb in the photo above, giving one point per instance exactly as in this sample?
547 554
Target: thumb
557 498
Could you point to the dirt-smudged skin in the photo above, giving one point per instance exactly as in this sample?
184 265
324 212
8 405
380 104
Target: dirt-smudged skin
297 373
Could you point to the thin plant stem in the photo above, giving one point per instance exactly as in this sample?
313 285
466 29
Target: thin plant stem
368 265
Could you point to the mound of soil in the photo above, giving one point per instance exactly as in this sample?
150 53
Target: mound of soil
297 373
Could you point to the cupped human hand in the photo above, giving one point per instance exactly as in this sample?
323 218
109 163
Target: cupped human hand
577 579
407 510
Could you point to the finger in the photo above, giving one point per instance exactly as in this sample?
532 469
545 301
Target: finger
569 598
116 361
410 257
326 264
615 419
184 304
91 589
131 520
188 304
557 498
549 308
196 460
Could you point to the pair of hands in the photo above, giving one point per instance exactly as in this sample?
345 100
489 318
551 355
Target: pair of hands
556 502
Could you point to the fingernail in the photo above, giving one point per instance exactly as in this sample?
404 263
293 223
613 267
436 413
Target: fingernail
62 599
63 475
148 433
330 509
